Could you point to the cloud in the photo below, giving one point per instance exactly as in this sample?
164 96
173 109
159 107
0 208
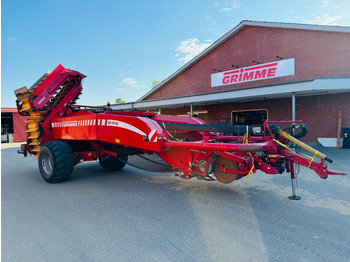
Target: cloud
126 71
210 19
130 81
326 19
12 40
189 48
236 5
227 6
325 3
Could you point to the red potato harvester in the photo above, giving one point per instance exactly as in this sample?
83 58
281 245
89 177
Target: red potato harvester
62 134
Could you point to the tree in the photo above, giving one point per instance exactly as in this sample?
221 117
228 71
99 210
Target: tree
119 101
155 83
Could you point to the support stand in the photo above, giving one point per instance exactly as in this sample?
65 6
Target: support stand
293 178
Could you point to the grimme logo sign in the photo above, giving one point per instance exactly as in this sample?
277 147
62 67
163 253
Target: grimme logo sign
254 73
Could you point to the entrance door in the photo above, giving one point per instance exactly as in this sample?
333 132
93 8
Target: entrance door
249 117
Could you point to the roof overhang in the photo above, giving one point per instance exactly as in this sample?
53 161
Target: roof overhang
319 86
8 110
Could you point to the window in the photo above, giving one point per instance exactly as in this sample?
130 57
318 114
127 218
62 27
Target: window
249 117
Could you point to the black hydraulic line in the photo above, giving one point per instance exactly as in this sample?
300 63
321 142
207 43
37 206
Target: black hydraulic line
214 128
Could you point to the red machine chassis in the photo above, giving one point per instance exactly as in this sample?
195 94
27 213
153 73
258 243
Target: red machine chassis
190 146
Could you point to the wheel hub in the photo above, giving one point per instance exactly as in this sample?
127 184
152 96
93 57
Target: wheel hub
221 175
47 163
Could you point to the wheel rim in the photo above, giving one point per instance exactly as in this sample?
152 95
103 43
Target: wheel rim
47 162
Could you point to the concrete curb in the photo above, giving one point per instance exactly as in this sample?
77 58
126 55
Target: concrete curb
11 145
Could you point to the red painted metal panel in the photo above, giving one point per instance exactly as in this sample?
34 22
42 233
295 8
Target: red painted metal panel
48 79
138 132
19 127
75 128
40 101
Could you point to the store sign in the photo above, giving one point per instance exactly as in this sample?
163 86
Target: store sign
254 73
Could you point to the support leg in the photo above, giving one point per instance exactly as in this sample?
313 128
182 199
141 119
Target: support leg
293 178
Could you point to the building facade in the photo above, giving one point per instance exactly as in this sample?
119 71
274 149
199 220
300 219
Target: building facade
315 87
13 126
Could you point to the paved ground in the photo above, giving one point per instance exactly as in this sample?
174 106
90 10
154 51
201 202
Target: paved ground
134 215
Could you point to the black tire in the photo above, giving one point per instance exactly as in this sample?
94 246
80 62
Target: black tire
56 161
113 163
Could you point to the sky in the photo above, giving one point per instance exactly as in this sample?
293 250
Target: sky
123 46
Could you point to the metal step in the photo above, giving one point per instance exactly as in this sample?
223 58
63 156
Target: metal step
32 130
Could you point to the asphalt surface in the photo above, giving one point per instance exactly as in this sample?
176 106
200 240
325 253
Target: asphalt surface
135 215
